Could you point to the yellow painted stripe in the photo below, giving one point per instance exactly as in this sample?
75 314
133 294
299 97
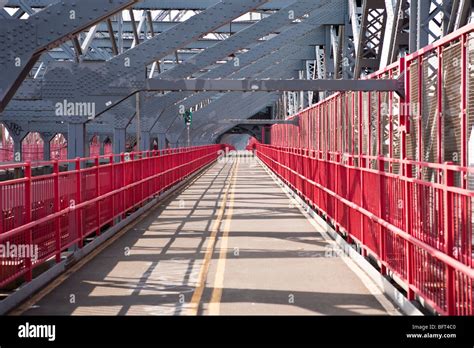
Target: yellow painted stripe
193 308
215 304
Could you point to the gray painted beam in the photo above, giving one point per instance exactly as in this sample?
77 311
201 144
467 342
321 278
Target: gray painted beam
165 4
288 52
248 85
334 12
262 28
234 101
87 79
22 41
160 27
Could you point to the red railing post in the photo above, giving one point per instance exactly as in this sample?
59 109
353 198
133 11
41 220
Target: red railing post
349 167
57 208
382 209
464 98
449 233
79 224
134 189
362 164
112 180
124 184
97 192
408 208
28 217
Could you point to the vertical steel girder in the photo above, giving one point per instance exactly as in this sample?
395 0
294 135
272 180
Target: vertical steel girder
22 41
397 33
310 75
369 39
433 20
321 67
347 42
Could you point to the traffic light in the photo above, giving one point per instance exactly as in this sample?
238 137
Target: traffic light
188 118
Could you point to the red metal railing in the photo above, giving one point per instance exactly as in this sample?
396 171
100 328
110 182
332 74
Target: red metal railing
50 213
396 174
34 152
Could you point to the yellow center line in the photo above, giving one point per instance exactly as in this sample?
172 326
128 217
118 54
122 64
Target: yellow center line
215 304
201 284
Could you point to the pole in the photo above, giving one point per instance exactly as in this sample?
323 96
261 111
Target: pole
138 120
189 137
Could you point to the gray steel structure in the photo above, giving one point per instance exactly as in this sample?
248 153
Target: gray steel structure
73 67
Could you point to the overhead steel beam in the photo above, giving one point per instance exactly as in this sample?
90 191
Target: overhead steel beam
272 65
262 28
105 43
82 81
166 4
308 29
227 85
320 12
264 55
251 34
286 53
42 31
282 48
234 103
89 80
288 35
161 27
61 55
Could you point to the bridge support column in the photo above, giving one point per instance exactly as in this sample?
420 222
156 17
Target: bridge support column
76 145
18 131
145 141
89 142
162 141
120 138
47 137
102 145
46 150
18 149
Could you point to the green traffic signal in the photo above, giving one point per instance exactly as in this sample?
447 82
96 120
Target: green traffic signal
188 118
